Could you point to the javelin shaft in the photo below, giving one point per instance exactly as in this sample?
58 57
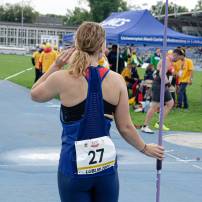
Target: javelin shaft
159 163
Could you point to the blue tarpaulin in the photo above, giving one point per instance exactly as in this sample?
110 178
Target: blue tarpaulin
141 28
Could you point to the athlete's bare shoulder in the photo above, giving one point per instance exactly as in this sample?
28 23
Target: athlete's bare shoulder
62 75
62 78
117 78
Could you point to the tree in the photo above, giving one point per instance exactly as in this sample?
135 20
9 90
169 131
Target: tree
99 10
77 16
102 9
199 5
159 8
13 13
1 13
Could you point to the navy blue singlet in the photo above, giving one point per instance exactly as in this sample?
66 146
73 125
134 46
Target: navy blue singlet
99 187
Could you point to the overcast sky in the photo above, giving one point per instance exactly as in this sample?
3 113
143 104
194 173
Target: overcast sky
60 6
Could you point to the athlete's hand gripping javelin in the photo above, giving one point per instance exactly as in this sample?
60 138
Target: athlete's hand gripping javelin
154 150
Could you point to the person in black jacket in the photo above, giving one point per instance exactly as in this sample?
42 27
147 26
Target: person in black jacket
112 58
35 61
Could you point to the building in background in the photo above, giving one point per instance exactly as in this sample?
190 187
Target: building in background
29 35
188 23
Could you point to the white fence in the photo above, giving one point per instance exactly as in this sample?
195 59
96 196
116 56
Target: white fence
12 50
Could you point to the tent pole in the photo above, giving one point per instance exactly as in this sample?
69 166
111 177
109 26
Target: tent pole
117 58
163 76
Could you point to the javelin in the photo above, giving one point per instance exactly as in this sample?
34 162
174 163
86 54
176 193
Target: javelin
159 162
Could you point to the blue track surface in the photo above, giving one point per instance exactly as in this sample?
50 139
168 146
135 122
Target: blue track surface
29 129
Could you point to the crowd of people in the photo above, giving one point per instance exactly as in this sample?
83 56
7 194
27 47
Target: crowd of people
144 93
43 57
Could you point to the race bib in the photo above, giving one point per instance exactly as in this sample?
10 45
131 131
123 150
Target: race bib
95 155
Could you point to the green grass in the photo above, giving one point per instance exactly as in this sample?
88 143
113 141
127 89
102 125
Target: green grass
177 120
12 64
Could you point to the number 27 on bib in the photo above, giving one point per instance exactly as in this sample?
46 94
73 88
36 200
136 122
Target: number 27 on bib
95 155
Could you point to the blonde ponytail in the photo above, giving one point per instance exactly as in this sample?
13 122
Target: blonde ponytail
79 62
89 40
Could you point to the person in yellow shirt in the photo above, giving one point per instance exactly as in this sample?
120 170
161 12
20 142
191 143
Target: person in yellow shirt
47 58
127 75
35 61
184 71
104 62
130 74
135 60
56 49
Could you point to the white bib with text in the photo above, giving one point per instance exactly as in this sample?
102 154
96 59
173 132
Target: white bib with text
95 155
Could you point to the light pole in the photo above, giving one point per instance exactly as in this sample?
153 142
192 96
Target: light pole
21 39
22 10
176 10
22 22
22 14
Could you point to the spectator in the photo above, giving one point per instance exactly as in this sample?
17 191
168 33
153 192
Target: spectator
171 75
103 62
155 58
47 58
112 58
184 70
127 75
135 74
126 53
147 84
35 61
135 60
149 72
56 49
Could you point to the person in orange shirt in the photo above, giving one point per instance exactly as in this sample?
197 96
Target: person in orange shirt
184 70
47 58
35 61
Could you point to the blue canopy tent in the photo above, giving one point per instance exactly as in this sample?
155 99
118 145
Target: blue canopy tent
140 28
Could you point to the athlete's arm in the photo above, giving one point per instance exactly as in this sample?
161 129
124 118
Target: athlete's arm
46 87
45 90
126 128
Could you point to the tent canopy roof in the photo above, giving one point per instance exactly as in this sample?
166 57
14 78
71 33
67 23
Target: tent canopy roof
141 28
